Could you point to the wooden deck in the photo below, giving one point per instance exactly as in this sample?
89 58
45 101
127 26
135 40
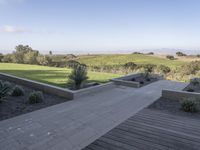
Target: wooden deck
151 130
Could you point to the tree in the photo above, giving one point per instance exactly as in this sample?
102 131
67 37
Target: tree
7 58
44 60
1 57
170 57
31 57
180 54
78 76
50 53
21 50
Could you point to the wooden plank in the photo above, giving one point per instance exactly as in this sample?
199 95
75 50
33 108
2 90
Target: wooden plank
168 125
152 130
136 141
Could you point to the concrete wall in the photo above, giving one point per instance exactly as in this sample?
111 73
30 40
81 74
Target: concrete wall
179 95
66 93
127 83
126 80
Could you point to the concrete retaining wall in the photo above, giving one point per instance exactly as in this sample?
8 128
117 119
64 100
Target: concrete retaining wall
66 93
126 80
179 95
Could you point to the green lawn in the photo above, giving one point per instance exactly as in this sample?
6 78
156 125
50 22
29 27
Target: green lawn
50 75
116 59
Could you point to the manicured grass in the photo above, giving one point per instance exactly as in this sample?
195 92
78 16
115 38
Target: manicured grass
50 75
117 59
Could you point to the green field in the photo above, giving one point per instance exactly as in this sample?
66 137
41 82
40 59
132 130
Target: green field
50 75
120 59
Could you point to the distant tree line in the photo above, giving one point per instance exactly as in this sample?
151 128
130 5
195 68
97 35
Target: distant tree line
24 54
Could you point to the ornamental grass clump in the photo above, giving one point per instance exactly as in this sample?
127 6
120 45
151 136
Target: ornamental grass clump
18 91
78 76
36 97
5 90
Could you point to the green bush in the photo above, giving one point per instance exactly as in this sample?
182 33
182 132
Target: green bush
164 69
189 105
190 90
4 90
18 91
36 97
130 65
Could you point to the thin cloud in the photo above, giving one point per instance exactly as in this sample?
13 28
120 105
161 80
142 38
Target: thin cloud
10 1
12 29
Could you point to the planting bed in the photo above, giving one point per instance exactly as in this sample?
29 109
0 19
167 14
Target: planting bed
192 88
172 107
137 80
13 106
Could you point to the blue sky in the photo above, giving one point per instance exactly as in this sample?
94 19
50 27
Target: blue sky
99 25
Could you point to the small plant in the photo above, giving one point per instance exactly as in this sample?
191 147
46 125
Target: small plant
36 97
4 90
8 84
148 79
78 76
190 90
18 91
133 79
194 82
141 82
189 105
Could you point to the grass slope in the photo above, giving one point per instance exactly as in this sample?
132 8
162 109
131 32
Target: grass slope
116 59
50 75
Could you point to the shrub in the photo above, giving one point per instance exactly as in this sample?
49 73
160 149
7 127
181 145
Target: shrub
190 90
133 79
149 67
72 63
194 82
4 90
78 76
198 55
137 53
164 69
189 105
18 91
148 79
190 68
36 97
6 83
130 65
141 82
170 57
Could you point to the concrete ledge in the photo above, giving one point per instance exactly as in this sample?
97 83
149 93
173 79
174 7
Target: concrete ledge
179 95
66 93
126 80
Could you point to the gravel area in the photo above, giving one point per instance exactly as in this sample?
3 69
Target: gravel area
14 106
173 107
